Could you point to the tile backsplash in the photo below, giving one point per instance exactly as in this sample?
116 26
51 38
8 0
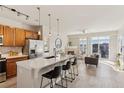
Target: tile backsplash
5 50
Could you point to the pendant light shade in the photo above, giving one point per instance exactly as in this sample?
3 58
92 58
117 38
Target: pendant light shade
58 41
49 15
39 29
57 27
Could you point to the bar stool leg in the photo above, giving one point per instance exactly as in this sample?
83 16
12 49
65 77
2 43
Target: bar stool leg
61 78
51 84
77 70
61 81
55 81
41 82
73 73
66 79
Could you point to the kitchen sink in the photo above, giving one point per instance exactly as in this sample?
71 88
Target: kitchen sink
49 57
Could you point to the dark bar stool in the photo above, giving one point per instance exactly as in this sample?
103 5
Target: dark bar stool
75 65
66 68
53 74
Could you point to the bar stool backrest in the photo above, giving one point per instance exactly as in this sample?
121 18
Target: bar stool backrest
75 61
57 71
68 64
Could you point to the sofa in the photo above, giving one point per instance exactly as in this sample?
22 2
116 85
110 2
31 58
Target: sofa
92 60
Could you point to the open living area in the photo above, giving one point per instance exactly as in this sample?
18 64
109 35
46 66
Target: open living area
61 46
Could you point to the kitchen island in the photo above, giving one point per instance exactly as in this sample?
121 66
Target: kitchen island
29 71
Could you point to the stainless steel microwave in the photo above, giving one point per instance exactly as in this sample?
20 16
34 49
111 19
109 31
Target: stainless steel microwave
1 39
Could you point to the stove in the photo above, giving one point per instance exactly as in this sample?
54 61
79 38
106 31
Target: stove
2 69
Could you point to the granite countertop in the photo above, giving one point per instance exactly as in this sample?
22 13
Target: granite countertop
18 56
34 66
39 63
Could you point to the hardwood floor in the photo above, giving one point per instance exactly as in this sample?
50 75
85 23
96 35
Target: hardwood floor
10 83
89 77
101 77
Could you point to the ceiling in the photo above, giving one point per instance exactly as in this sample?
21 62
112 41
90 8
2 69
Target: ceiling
73 18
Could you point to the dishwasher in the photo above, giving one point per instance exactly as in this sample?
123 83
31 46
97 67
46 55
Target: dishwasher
2 69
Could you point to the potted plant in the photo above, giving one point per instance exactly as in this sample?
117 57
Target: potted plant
118 61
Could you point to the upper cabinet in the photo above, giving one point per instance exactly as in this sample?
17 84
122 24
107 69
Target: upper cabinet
16 36
1 30
35 35
8 36
19 37
31 34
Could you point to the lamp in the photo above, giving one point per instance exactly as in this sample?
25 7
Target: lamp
39 32
58 27
58 41
49 25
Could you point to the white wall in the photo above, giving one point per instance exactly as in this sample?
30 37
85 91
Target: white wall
53 37
113 41
120 39
13 23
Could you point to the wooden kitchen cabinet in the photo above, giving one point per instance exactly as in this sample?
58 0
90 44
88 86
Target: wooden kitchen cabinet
35 35
1 30
31 34
19 37
8 36
28 34
15 37
11 68
11 65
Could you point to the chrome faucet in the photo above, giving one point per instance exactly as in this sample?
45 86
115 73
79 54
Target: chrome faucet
54 50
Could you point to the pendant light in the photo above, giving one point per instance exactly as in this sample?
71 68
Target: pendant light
58 41
39 32
57 27
49 15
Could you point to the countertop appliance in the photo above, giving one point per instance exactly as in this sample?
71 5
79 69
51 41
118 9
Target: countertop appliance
33 48
1 39
2 69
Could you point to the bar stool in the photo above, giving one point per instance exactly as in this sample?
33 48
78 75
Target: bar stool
53 74
66 68
75 65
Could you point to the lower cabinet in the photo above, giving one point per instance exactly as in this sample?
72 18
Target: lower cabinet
11 66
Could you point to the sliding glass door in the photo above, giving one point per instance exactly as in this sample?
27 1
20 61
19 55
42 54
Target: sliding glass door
104 47
100 45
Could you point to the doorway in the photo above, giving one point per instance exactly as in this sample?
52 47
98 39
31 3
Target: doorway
83 46
100 45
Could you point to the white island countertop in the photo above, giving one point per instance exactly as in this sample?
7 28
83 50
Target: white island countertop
29 71
39 63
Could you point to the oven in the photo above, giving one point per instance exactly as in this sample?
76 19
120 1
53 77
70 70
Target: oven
1 39
2 69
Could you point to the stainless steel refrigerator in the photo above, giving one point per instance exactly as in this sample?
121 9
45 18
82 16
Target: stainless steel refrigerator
33 48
